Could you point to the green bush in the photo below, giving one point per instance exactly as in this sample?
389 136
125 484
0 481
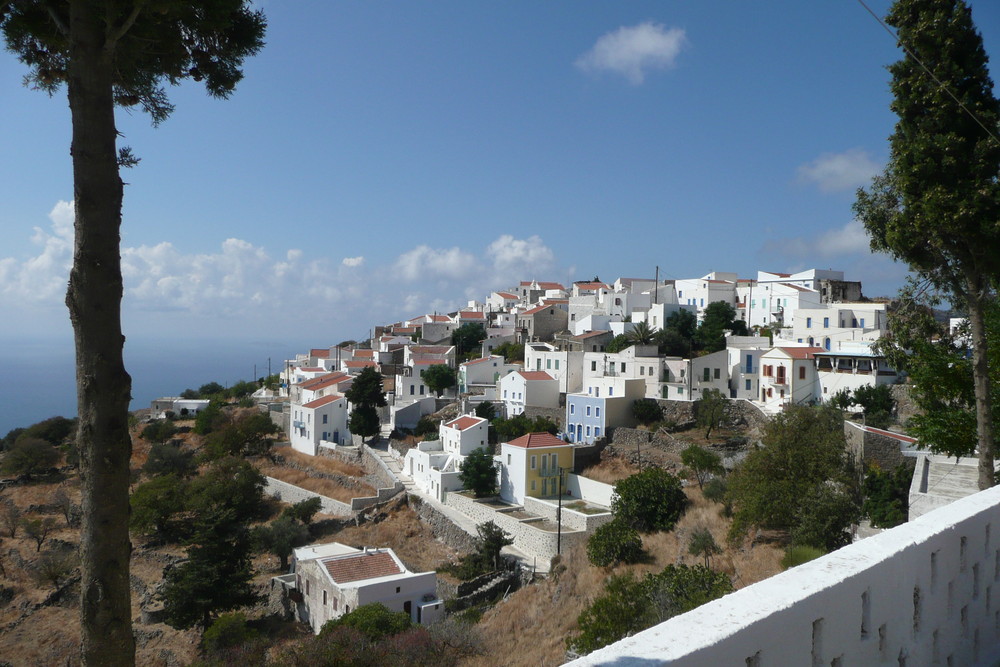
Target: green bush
227 630
649 500
798 554
375 621
613 543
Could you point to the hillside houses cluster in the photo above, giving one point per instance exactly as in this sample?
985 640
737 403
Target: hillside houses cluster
821 327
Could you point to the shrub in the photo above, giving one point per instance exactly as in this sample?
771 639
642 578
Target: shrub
374 621
227 630
649 500
646 411
613 543
29 456
798 554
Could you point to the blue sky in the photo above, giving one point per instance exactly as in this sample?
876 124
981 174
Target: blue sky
385 159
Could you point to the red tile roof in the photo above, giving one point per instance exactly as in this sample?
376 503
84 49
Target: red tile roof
591 334
797 287
325 380
365 354
479 361
472 315
535 375
592 286
312 369
360 364
464 422
541 285
535 440
536 309
508 295
319 352
320 402
344 569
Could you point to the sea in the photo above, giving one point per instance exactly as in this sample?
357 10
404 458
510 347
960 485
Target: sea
38 374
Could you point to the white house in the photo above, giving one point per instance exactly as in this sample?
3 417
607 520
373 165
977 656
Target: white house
788 377
565 366
434 465
830 326
710 371
851 368
333 579
522 389
483 371
744 354
700 292
320 420
638 362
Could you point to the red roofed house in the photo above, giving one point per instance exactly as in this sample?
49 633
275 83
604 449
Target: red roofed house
333 579
434 465
788 377
482 371
532 465
541 323
322 420
527 389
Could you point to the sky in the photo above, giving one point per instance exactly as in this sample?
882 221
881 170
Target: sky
382 160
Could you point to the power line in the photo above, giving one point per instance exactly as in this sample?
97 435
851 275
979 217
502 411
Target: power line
941 85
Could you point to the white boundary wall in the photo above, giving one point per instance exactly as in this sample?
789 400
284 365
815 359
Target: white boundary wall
926 592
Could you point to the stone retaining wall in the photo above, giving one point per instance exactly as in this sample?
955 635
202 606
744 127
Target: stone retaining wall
875 448
290 493
557 415
441 526
571 519
540 543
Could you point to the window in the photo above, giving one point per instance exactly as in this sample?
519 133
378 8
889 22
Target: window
611 391
593 365
422 390
588 410
533 461
642 370
538 364
702 302
854 322
532 485
717 374
324 595
597 411
557 364
555 461
707 374
597 392
504 393
749 365
802 372
548 363
588 431
862 323
508 459
748 385
324 418
826 322
597 431
809 323
572 408
623 367
680 390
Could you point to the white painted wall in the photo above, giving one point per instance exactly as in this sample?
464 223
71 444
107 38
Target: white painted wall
919 594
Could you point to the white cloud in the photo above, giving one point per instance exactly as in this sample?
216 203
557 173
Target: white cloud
632 51
353 261
851 239
834 172
240 287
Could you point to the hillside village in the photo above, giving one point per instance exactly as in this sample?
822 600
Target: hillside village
538 387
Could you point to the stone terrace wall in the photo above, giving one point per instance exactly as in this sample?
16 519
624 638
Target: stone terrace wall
571 519
875 448
290 493
540 543
441 526
557 415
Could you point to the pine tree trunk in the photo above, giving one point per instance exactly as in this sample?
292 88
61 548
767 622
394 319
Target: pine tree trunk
981 383
103 387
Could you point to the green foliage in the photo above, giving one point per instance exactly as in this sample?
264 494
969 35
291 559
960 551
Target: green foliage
510 351
825 515
803 449
684 322
249 434
646 411
367 389
228 484
157 506
375 621
165 459
490 542
703 545
159 431
718 318
798 554
53 566
518 425
54 430
10 438
649 500
715 490
466 340
671 343
364 421
641 334
215 577
281 537
842 399
29 456
210 419
614 543
189 394
226 631
439 377
710 410
486 410
241 389
426 426
211 389
304 509
887 496
478 473
702 462
629 605
936 205
38 529
617 344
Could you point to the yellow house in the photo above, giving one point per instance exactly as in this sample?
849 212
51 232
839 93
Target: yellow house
532 465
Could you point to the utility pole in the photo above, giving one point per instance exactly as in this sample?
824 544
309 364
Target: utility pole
559 471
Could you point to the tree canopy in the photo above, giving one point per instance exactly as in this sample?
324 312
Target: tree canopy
649 500
366 389
937 204
439 377
466 340
478 473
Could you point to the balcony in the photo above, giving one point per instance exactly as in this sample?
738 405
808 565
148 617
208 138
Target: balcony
298 424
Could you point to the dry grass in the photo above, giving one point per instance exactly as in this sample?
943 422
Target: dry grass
324 487
610 470
537 619
319 463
